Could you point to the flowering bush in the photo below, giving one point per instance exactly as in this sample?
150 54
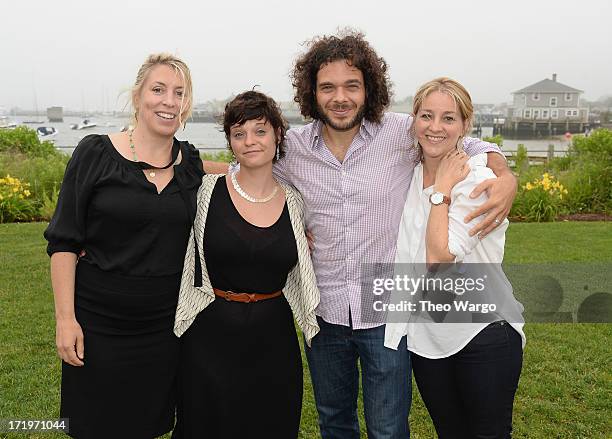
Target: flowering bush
589 179
14 202
24 158
540 199
583 182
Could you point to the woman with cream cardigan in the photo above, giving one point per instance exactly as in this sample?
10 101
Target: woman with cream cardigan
247 276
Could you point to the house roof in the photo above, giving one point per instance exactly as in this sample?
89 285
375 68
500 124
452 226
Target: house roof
548 86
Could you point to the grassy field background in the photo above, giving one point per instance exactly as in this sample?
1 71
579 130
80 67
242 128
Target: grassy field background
566 384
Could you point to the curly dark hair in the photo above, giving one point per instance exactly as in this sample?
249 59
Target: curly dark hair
349 45
252 105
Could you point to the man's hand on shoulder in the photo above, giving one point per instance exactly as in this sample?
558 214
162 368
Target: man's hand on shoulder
501 191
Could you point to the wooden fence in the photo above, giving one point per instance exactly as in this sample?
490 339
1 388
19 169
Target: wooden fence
551 152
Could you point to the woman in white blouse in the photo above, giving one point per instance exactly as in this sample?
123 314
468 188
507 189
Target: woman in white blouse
467 372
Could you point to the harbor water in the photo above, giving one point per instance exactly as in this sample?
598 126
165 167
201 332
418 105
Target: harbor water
208 137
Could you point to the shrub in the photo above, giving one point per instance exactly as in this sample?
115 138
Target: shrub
23 156
540 199
48 204
44 174
589 184
585 175
521 159
597 145
498 140
590 181
25 141
15 203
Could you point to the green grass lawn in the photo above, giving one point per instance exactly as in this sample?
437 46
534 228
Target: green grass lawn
565 389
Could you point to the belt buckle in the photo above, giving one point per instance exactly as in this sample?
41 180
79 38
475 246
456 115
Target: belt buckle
227 295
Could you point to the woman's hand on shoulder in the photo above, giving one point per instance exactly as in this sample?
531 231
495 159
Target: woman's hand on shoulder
452 169
69 340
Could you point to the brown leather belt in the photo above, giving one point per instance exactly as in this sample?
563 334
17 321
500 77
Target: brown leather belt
245 297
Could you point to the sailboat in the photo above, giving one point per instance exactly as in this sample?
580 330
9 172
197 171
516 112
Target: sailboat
6 123
36 120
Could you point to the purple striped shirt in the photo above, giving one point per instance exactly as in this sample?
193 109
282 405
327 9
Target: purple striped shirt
354 207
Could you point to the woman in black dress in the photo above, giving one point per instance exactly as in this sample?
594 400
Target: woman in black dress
125 201
247 275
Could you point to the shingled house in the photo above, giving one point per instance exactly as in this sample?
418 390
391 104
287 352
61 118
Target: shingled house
546 108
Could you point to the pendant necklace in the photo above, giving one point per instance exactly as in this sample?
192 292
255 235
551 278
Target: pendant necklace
151 169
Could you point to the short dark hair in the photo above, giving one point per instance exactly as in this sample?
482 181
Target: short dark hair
253 105
351 46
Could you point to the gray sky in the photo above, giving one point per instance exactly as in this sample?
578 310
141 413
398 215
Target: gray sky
82 55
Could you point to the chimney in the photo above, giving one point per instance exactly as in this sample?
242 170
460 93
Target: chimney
554 77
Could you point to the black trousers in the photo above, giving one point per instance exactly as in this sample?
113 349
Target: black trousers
470 394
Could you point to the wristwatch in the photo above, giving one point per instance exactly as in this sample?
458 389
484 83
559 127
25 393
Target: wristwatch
438 198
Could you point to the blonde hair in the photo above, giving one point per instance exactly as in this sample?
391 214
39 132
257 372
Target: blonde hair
180 68
452 88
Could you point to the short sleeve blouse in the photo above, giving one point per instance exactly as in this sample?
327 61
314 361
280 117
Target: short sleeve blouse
108 208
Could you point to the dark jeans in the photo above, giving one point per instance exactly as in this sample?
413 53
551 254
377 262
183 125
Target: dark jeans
385 376
470 394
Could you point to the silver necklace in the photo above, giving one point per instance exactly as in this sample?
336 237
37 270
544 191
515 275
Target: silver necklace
246 196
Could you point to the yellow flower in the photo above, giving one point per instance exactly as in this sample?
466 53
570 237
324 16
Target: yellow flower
1 197
528 186
15 189
20 197
26 193
565 191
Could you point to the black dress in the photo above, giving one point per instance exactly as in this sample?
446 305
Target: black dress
241 369
126 288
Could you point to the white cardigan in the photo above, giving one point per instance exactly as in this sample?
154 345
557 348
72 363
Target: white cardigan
300 290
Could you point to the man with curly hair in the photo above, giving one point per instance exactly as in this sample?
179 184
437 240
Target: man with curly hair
353 165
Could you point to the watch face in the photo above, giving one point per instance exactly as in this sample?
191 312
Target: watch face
437 198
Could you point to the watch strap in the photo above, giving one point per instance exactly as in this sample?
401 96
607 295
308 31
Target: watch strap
445 199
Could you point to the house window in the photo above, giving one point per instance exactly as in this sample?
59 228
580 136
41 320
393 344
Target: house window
527 114
554 114
553 101
535 96
544 114
568 97
571 113
536 114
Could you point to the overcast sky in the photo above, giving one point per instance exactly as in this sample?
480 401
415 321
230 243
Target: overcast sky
83 54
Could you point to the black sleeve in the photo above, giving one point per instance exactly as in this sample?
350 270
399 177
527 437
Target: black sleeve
194 159
67 230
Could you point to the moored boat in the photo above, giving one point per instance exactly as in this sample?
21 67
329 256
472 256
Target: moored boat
46 133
